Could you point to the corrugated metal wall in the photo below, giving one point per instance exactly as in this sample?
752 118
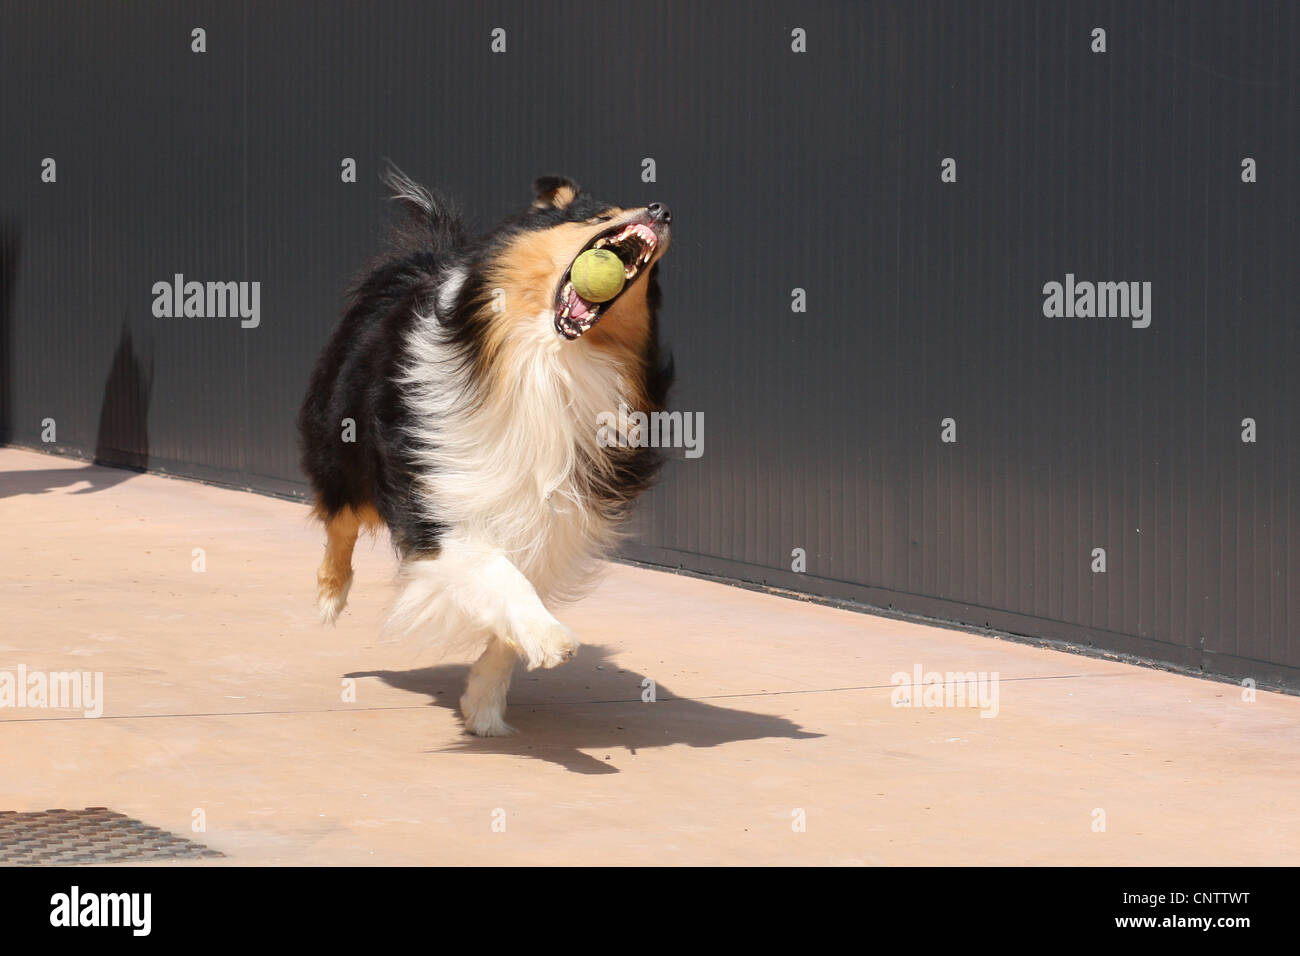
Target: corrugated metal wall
816 170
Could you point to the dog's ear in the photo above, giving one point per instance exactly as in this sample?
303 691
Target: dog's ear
554 192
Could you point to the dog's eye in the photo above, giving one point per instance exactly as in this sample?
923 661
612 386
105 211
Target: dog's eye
600 219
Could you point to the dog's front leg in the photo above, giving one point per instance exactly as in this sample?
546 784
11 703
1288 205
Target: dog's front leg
465 590
468 588
483 705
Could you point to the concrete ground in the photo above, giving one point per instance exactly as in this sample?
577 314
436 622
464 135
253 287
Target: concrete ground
224 700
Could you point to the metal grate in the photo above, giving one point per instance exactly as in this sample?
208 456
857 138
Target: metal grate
92 835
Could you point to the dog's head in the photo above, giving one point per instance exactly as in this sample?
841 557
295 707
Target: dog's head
529 262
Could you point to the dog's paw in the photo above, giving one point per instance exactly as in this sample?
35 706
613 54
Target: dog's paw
555 645
331 606
542 641
485 721
331 596
547 643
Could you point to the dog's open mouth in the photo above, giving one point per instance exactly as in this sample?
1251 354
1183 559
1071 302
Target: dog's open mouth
634 244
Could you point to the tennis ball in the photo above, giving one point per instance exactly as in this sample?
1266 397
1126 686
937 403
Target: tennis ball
597 275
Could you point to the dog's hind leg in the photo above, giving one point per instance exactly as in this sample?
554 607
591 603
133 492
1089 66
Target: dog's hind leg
335 575
483 705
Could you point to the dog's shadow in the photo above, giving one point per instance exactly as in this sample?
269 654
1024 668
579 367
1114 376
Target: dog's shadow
608 714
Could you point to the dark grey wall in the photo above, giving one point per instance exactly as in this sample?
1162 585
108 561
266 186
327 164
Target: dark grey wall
818 170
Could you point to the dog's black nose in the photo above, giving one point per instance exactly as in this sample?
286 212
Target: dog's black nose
660 213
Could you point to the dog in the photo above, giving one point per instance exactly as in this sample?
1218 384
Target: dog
456 404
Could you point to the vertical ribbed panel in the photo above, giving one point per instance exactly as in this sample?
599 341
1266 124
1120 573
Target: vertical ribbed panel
817 171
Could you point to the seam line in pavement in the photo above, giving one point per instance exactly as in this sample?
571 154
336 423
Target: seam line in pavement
556 703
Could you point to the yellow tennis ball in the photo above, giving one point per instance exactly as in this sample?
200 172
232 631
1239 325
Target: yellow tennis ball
597 275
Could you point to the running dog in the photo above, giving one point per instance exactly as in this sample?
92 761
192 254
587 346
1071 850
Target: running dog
457 403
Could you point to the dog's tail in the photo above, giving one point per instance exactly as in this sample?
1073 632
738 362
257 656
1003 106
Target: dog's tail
431 218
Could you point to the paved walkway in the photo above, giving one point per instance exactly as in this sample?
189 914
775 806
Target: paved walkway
222 694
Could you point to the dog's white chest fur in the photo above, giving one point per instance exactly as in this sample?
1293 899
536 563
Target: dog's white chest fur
500 460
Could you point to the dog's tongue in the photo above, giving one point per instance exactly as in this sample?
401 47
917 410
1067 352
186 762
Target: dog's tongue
579 308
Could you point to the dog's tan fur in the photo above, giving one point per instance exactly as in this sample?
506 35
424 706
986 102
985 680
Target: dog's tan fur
334 577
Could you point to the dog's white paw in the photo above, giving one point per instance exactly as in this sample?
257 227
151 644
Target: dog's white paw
331 606
549 644
331 596
487 720
559 644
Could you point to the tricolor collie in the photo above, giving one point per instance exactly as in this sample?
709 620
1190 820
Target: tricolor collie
473 375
